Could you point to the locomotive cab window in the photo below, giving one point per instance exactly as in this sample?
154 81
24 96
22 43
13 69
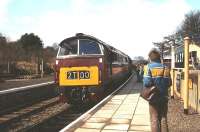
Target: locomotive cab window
88 47
69 48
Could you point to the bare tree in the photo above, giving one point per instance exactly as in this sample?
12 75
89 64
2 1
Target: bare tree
163 46
191 26
55 46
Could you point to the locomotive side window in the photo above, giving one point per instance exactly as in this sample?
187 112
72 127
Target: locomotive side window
69 48
88 47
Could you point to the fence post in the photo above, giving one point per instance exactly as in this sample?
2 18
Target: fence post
186 73
198 94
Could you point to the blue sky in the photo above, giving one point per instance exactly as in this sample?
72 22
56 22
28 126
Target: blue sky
35 7
121 23
195 4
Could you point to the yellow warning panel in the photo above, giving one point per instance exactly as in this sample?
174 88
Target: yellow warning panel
77 76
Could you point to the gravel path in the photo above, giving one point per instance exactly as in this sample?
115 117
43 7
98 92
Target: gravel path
178 121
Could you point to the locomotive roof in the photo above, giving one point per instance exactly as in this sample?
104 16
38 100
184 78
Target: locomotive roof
84 36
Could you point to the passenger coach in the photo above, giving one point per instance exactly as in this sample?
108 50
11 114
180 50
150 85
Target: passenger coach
85 66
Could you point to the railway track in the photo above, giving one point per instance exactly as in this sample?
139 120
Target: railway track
32 108
18 120
71 115
29 109
55 122
17 98
19 103
47 115
42 117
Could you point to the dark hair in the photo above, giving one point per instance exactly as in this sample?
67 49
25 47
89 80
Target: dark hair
154 54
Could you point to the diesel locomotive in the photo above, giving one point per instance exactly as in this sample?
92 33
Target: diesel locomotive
85 66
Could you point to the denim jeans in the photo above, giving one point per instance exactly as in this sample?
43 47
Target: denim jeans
158 116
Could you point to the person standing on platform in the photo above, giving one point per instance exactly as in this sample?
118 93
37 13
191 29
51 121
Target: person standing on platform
157 74
141 72
138 73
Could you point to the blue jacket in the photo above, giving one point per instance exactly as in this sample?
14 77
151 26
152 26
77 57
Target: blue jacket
155 73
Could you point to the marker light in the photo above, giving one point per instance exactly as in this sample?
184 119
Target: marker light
100 60
57 61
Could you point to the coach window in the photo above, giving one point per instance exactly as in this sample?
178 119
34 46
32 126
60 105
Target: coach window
126 60
193 56
68 48
114 57
88 47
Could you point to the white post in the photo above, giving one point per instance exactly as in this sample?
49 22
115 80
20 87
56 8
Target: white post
42 69
172 56
8 67
172 67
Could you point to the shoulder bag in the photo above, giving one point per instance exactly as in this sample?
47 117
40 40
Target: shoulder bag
151 94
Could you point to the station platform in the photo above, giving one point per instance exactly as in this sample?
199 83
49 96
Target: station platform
126 111
15 83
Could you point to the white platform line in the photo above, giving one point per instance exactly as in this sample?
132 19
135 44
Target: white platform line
25 87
